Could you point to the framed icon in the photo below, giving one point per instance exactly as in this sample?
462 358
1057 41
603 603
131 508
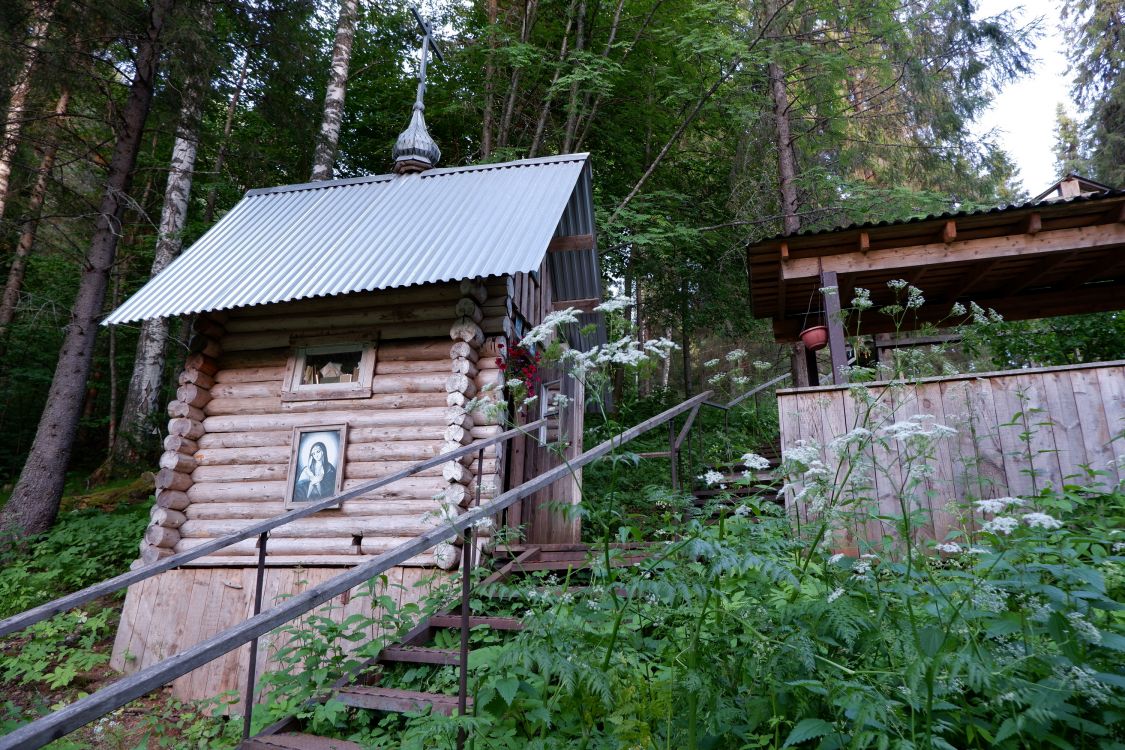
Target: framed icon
316 464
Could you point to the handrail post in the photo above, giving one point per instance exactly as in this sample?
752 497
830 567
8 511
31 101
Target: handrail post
673 454
248 706
466 570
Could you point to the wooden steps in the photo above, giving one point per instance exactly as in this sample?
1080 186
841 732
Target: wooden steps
412 649
496 623
420 655
296 741
397 701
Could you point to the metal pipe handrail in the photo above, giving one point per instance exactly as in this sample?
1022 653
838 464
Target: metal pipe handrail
60 723
752 392
62 604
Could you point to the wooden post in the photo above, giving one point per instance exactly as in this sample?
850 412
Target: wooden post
810 367
835 326
800 366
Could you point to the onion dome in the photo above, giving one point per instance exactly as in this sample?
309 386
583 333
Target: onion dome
415 150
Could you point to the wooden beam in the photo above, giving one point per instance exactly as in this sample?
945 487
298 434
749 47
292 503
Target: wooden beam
936 254
949 232
1033 224
832 319
864 242
1093 298
785 251
1049 265
571 242
1091 271
585 305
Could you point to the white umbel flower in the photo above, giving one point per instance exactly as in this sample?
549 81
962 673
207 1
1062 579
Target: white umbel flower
1041 521
1001 525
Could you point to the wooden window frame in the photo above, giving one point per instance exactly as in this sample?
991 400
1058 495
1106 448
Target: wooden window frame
294 390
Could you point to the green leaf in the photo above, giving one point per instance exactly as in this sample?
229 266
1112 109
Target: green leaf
507 688
807 729
1113 641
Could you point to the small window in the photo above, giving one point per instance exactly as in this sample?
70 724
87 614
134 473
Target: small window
330 371
329 368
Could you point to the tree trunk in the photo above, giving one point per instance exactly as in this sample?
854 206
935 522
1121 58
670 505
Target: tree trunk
545 111
34 503
17 96
786 160
572 105
142 399
489 113
325 155
11 296
529 11
228 126
779 97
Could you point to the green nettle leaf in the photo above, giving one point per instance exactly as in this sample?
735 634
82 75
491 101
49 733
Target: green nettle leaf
507 688
808 729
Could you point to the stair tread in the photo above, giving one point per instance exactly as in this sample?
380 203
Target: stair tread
296 741
395 700
496 623
420 655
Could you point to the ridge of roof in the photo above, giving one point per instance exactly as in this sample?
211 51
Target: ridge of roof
428 174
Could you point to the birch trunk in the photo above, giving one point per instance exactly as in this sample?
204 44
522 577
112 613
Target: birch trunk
34 503
325 155
141 401
10 299
17 96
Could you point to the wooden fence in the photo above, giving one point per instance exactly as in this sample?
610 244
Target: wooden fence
1018 433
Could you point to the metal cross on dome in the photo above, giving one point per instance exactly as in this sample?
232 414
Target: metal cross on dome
428 43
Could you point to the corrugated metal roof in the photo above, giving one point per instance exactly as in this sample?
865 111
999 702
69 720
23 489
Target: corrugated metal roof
1006 208
325 238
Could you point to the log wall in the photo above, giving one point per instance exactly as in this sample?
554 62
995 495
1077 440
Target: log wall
226 462
1018 433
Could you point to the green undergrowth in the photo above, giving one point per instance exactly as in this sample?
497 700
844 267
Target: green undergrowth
634 492
743 635
94 538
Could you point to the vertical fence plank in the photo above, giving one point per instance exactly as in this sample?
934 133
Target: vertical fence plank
1070 443
1011 424
790 427
1095 423
1112 386
943 498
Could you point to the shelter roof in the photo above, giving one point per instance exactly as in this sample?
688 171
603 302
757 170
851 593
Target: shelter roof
339 236
1036 259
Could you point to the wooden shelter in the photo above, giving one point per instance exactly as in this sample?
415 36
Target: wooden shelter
1018 432
1051 256
342 331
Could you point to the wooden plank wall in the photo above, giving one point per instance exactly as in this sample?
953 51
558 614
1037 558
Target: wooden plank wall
1018 433
532 298
177 609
